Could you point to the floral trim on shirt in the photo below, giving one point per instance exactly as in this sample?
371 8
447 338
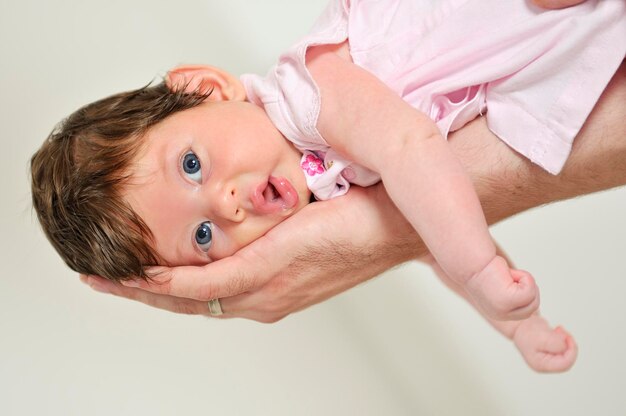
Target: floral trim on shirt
312 165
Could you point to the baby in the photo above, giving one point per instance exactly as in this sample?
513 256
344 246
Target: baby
189 172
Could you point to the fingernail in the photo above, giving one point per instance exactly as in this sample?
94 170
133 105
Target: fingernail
99 288
83 278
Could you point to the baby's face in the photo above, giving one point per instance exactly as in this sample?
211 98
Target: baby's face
214 178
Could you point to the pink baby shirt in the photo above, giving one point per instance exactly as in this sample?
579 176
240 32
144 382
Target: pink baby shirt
535 73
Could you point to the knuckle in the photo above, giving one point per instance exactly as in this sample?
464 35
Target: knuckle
279 309
278 287
239 282
164 287
185 308
272 309
154 286
208 291
270 319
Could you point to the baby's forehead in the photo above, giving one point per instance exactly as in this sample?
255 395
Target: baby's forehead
146 167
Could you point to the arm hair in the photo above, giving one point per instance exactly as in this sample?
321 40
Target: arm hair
509 185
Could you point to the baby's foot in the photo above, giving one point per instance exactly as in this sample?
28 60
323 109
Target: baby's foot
504 293
545 349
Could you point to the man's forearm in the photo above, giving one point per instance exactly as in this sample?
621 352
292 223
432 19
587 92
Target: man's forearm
513 184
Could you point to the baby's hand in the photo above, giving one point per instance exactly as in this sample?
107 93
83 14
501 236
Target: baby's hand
503 293
545 349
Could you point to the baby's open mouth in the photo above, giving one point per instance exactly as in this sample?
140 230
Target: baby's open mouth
270 193
274 196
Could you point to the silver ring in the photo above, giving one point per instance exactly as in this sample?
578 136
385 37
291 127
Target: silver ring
215 308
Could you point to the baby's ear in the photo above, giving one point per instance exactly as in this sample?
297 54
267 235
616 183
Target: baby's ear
205 78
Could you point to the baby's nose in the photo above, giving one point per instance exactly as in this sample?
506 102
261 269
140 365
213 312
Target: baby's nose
227 206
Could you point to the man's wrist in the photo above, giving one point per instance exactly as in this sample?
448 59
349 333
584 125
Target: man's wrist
508 183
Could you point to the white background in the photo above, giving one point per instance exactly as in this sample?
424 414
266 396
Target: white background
399 345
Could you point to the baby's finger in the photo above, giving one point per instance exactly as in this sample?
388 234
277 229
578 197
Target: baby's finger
165 302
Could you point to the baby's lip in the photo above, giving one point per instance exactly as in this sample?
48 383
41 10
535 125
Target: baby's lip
275 195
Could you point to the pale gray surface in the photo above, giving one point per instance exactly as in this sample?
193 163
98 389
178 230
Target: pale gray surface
399 345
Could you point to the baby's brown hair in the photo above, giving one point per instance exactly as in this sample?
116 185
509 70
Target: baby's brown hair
77 179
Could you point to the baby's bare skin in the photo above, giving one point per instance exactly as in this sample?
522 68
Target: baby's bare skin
545 349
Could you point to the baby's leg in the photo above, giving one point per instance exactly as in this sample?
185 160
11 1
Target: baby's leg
433 191
544 349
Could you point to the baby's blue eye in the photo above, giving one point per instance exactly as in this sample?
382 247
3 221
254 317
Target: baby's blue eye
204 235
191 166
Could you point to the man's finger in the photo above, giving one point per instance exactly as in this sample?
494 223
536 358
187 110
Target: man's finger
168 303
230 276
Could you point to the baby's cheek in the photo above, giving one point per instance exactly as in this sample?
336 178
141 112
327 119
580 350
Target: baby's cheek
231 238
222 245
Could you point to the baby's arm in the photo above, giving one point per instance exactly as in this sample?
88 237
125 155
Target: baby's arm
544 349
423 178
